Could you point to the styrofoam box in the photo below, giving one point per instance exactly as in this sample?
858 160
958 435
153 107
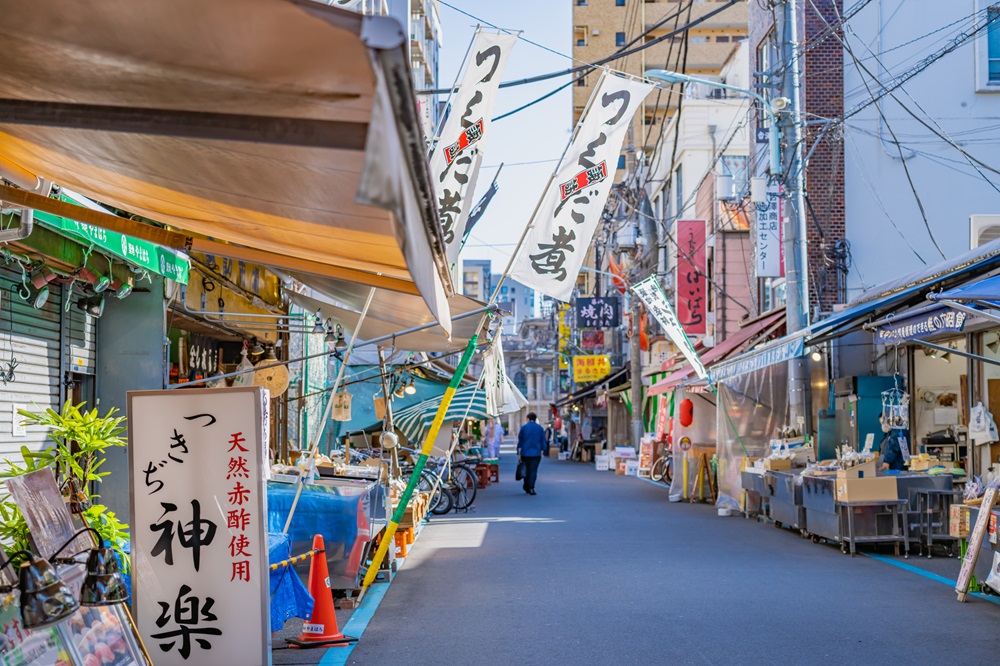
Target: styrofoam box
631 468
602 463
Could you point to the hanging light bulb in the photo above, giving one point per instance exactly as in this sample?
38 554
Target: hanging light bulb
400 390
97 281
122 289
93 305
341 343
36 291
257 348
410 387
331 333
319 327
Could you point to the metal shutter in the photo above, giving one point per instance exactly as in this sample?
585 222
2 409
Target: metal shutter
34 341
82 341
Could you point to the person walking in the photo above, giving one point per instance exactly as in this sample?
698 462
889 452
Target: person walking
530 444
494 438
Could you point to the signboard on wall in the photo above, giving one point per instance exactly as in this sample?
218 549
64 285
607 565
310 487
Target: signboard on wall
198 464
602 312
692 285
940 320
769 236
564 336
592 340
591 368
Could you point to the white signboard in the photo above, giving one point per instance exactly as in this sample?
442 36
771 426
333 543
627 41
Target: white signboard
197 459
769 235
652 296
458 155
571 207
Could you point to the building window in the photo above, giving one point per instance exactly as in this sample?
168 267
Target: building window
503 289
993 45
580 35
581 3
521 381
766 56
621 161
581 82
619 39
619 3
722 38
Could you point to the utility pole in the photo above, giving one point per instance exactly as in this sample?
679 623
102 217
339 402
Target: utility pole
796 253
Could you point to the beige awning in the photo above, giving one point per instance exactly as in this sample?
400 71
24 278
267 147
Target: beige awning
389 313
283 132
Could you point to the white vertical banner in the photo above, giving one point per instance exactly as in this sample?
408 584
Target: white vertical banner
769 246
198 462
458 155
652 296
570 210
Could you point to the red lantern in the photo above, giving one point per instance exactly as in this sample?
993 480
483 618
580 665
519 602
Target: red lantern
687 412
557 423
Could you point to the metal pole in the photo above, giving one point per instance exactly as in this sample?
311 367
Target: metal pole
797 286
635 359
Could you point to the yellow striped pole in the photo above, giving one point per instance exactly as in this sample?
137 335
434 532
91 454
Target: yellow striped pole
425 451
293 560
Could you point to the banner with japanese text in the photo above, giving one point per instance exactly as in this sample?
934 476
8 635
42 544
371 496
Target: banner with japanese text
591 368
198 465
570 210
652 296
458 154
692 264
769 235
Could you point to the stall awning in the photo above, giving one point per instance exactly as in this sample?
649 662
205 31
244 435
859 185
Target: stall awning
778 351
720 351
987 290
613 380
389 313
468 402
283 132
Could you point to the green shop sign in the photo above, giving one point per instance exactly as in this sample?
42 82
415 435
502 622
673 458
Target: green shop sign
138 252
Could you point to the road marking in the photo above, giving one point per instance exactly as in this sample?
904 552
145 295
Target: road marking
928 574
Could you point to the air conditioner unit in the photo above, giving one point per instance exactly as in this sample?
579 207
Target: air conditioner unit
596 32
983 229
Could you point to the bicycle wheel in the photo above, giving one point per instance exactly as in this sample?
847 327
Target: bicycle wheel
656 474
668 470
426 484
445 502
463 485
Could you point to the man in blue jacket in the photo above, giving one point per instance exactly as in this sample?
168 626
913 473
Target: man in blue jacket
530 444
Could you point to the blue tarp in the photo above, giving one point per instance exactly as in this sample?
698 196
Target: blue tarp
289 597
987 289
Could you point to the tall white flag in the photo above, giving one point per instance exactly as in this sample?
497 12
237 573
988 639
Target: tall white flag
459 152
571 208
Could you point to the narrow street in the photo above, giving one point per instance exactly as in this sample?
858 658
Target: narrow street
602 569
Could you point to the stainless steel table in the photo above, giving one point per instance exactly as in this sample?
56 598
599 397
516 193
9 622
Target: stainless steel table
934 506
850 539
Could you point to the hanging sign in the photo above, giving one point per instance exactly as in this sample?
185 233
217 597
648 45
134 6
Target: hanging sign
198 464
661 418
769 235
591 368
779 352
692 297
458 154
602 312
652 296
918 326
571 207
592 340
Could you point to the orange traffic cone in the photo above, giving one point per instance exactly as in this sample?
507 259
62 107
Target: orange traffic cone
321 629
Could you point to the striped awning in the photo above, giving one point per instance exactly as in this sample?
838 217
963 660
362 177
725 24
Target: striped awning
468 402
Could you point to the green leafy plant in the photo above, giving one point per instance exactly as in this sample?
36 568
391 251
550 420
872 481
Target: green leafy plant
80 439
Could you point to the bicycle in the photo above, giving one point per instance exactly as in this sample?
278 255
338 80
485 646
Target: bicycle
453 483
662 470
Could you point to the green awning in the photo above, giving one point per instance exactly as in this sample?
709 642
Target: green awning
144 254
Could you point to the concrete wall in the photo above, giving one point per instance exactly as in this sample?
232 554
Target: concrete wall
129 358
884 223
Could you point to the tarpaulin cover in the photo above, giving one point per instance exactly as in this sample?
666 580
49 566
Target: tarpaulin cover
289 597
359 207
414 420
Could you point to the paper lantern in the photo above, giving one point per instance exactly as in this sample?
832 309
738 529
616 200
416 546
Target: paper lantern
686 412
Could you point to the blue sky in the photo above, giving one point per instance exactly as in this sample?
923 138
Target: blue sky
537 133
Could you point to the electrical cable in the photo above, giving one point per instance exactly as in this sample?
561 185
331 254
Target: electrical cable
593 65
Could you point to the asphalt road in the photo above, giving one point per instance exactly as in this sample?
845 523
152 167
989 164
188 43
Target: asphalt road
602 569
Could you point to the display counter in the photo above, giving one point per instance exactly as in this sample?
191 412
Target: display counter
349 512
786 508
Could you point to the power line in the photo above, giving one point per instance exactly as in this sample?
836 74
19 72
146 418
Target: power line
598 63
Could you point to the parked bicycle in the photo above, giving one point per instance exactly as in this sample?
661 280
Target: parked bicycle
662 470
452 484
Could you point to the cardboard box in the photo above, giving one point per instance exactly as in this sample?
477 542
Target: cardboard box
620 465
777 463
862 471
631 468
868 488
564 455
602 463
958 521
553 452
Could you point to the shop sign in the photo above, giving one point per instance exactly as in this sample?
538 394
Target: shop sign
661 418
591 368
603 312
757 360
652 296
198 466
685 443
769 235
592 340
944 320
692 298
138 252
564 336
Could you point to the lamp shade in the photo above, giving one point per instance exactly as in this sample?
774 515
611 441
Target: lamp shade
45 599
104 583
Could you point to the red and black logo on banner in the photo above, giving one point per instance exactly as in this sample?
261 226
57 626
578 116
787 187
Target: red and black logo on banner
471 135
594 174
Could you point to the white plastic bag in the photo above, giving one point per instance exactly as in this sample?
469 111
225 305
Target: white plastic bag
982 427
993 580
341 406
245 367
